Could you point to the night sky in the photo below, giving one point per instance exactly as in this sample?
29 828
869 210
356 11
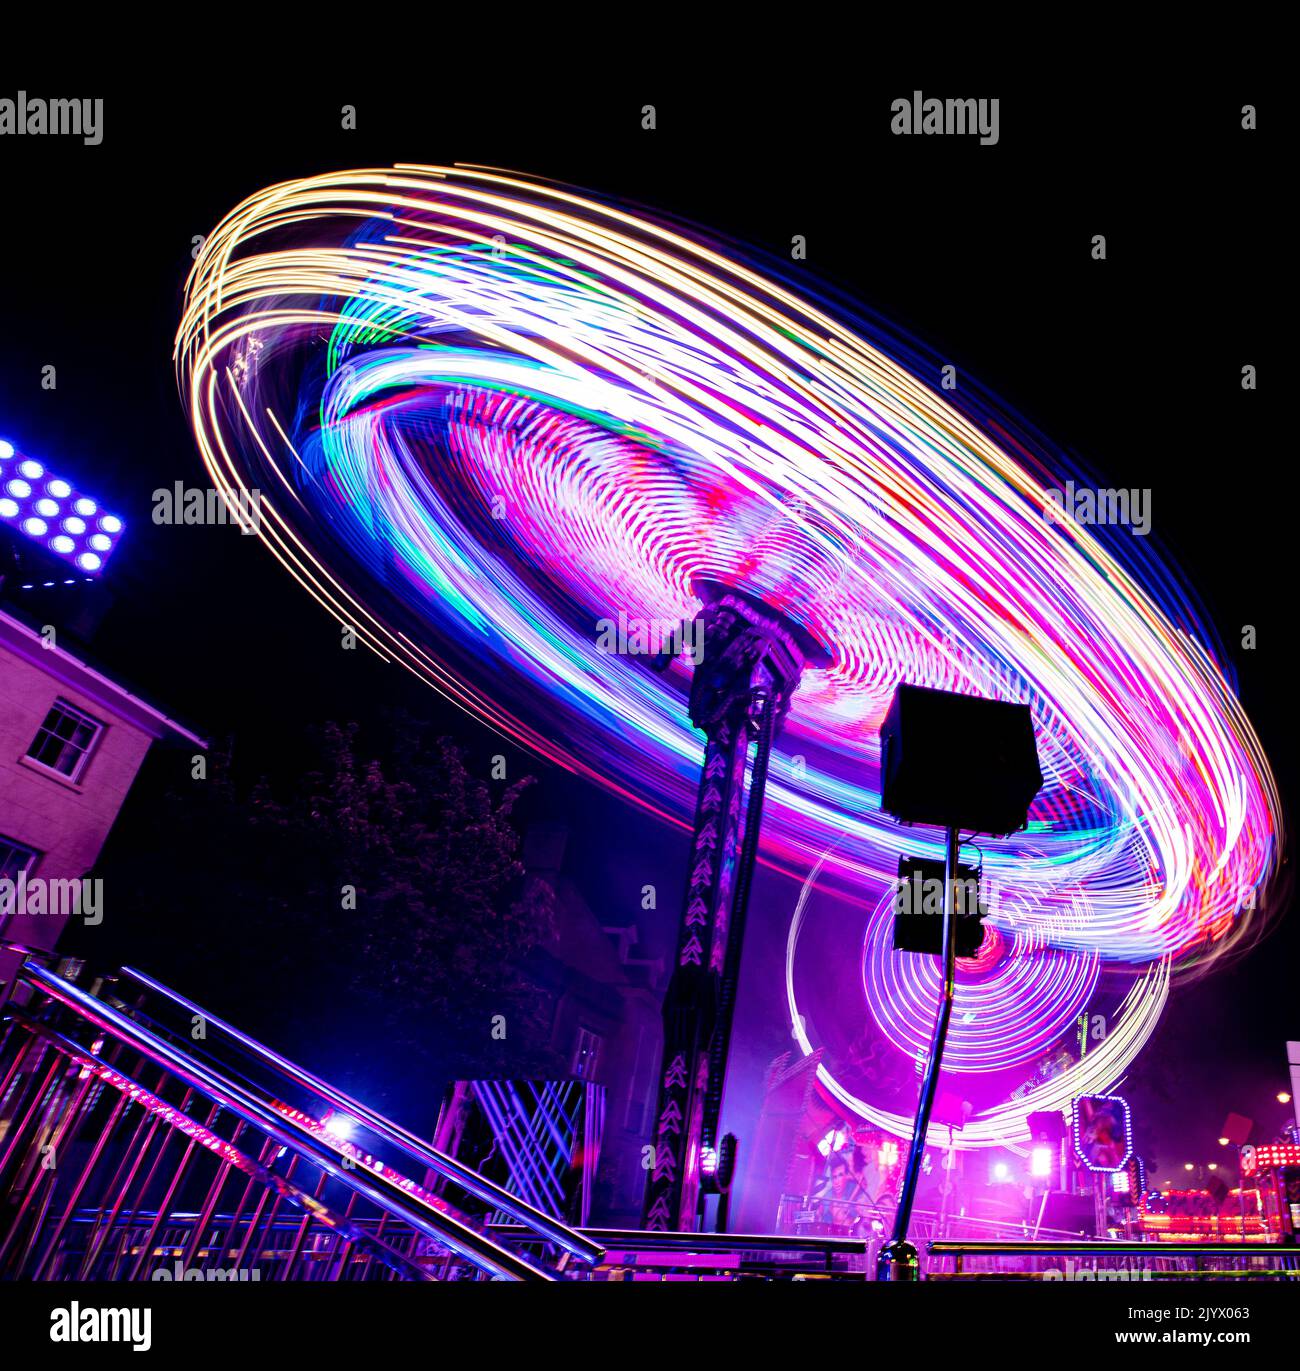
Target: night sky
1133 364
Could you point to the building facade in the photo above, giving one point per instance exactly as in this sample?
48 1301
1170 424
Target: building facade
71 742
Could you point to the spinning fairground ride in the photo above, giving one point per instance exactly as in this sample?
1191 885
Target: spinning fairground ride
488 418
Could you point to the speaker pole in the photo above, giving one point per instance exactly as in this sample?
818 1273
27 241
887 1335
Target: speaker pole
898 1260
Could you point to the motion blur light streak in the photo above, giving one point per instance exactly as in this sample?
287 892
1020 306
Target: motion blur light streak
485 414
989 1073
1011 1012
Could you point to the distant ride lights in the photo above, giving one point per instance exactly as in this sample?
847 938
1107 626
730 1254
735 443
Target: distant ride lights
487 414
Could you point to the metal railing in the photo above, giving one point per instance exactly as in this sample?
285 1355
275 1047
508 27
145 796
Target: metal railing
1140 1260
134 1148
929 1224
125 1145
421 1154
960 1246
767 1255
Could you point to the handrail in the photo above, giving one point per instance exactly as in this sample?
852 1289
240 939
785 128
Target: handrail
127 1085
442 1228
876 1209
616 1239
1105 1247
447 1167
648 1240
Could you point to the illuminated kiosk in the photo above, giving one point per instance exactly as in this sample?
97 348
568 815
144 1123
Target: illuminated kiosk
1275 1168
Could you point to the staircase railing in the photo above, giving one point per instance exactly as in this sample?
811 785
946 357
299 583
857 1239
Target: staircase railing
120 1140
416 1149
1141 1260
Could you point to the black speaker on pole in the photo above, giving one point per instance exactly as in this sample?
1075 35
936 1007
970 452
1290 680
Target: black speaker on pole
918 908
958 761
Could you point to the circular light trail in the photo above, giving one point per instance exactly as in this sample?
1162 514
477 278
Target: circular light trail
1012 1002
1016 1001
483 418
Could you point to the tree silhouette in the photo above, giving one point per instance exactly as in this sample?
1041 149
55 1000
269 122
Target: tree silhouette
368 913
